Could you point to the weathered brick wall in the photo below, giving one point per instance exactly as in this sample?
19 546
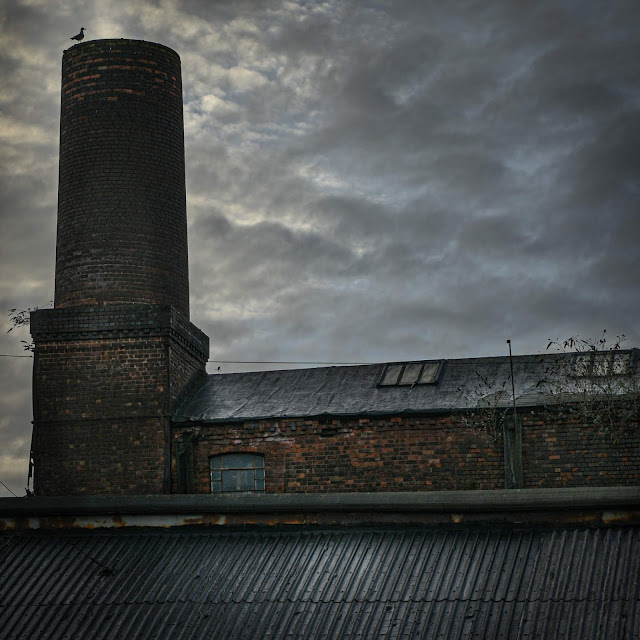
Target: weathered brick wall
187 357
415 454
386 454
100 416
562 452
105 381
100 457
116 352
123 377
122 228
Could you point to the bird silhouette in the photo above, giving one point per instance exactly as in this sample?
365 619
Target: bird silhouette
79 36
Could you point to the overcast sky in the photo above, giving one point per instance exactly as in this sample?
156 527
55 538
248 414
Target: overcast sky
366 181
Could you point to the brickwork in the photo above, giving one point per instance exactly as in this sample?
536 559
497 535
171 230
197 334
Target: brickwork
124 320
91 395
101 457
105 382
558 452
121 177
385 454
413 454
118 350
185 368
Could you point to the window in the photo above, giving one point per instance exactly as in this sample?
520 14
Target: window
410 373
600 364
237 472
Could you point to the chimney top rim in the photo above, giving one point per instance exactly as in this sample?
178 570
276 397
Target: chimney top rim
85 47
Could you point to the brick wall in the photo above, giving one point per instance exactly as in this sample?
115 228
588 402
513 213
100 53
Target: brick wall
101 415
120 377
118 350
105 382
414 454
122 229
100 457
560 452
386 454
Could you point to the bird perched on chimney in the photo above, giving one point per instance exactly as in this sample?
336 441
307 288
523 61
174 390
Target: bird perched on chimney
79 36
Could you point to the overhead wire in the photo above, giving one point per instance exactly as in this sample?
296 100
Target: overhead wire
283 362
9 355
7 488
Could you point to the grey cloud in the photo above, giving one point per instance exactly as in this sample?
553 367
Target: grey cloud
581 98
264 259
472 171
610 162
311 35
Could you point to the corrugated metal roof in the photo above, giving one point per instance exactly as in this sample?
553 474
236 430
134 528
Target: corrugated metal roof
323 583
354 390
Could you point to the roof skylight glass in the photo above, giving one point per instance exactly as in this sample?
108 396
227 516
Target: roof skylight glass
391 373
598 364
429 372
410 373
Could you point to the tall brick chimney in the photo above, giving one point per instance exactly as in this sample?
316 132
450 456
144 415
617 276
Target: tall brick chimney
116 351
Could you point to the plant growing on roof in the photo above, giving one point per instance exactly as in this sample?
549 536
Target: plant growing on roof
487 410
594 382
598 384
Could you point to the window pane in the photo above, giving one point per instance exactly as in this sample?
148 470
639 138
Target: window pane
229 481
430 372
581 367
391 374
600 364
237 472
411 373
238 480
246 480
238 461
620 363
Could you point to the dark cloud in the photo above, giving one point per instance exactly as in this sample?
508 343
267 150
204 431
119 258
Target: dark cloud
607 166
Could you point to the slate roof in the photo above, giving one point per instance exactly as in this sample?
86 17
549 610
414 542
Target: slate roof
355 390
310 583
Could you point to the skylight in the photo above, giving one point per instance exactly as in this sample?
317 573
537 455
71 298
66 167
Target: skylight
410 373
601 364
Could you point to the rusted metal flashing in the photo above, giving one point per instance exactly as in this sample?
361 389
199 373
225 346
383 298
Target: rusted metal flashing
573 518
583 506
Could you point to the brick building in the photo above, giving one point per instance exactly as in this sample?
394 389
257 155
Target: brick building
122 400
343 502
